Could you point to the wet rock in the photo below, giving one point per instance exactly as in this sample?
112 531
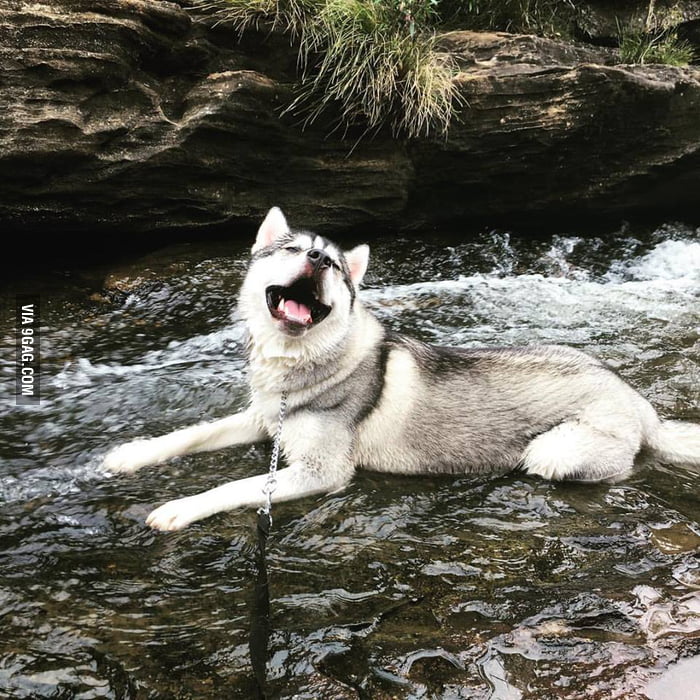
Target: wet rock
135 117
548 127
434 668
675 538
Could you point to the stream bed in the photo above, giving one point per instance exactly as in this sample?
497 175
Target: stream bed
499 587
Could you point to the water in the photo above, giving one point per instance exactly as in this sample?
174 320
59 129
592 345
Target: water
502 587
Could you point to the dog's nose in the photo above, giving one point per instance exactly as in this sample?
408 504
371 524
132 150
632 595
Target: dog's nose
319 258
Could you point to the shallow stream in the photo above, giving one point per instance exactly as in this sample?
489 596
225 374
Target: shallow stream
491 587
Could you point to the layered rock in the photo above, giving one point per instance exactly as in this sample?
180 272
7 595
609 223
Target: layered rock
139 116
551 128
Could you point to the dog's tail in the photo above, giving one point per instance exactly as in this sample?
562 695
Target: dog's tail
677 442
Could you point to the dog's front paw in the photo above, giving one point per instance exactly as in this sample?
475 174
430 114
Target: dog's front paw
174 515
129 457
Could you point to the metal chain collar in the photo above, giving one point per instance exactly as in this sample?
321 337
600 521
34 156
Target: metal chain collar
271 483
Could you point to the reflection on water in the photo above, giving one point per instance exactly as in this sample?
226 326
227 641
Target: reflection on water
501 587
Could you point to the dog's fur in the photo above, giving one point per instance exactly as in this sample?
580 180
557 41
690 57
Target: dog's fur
360 396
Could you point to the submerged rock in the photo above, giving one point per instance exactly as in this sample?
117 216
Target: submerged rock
138 116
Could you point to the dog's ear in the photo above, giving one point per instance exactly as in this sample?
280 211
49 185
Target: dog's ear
273 227
357 260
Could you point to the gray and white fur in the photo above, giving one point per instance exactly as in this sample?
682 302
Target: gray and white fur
359 396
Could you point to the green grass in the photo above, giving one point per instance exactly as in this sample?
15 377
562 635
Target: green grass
373 68
372 62
290 16
661 46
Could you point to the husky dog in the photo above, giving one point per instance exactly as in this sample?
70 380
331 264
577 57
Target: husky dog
359 396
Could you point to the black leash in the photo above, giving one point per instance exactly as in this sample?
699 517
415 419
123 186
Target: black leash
260 611
259 636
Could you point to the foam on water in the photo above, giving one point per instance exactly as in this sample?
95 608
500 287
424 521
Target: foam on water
42 481
567 304
672 260
227 342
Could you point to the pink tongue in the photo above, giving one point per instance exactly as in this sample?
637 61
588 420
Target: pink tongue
295 311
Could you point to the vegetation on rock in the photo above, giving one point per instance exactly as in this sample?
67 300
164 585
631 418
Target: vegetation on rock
656 46
378 62
654 39
543 17
375 61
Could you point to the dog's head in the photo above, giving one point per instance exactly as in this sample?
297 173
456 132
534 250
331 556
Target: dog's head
299 284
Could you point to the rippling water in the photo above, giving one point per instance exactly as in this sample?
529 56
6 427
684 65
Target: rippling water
504 587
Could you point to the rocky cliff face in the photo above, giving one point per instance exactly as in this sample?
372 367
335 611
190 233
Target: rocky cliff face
139 116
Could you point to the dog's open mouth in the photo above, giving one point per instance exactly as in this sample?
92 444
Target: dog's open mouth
297 305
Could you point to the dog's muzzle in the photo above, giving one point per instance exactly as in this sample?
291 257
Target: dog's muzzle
297 305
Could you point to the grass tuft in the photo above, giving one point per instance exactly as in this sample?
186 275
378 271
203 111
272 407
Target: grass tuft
375 62
289 16
374 69
655 46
